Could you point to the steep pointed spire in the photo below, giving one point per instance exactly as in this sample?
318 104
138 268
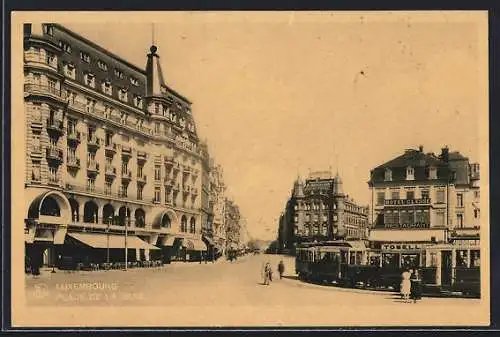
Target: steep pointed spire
298 188
155 80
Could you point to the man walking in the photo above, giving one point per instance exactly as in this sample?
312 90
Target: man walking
281 268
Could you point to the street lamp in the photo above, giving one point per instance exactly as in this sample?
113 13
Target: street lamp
126 234
107 244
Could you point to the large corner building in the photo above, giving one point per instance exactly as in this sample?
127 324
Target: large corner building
111 152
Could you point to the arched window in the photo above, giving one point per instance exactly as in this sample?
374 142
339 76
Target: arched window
140 218
192 225
108 213
123 214
90 212
184 224
165 221
75 210
50 207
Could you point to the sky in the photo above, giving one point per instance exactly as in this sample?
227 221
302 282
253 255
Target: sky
281 94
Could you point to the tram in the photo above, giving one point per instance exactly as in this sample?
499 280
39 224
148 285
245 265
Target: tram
446 267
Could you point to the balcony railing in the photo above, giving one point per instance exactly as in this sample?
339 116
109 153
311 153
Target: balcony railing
92 167
36 57
74 136
126 174
55 153
142 178
36 150
44 90
73 162
126 151
54 181
110 148
93 141
169 182
142 156
398 202
110 170
55 125
169 160
186 189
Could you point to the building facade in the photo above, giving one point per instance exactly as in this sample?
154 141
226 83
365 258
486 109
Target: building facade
111 151
320 210
425 211
217 204
232 225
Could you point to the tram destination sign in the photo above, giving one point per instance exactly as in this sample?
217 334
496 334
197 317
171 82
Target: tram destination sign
406 225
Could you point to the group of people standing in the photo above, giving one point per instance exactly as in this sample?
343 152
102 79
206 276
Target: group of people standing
267 272
411 286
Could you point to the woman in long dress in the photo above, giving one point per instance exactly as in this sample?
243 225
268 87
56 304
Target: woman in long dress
405 285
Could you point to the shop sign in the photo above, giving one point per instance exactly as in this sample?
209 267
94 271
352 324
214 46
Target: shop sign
466 243
407 225
402 246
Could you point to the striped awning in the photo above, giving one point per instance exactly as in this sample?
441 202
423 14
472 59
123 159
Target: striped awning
99 240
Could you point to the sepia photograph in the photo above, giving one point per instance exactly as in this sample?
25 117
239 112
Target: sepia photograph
250 169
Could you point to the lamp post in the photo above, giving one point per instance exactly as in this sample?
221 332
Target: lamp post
126 234
107 243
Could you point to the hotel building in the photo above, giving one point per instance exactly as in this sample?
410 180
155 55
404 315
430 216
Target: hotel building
111 152
425 211
320 210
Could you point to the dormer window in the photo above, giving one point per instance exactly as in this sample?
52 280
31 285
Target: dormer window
84 57
410 173
122 95
107 88
48 29
138 101
65 46
103 66
134 81
119 74
89 80
69 70
388 175
432 172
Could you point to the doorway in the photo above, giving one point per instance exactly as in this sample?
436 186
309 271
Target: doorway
446 268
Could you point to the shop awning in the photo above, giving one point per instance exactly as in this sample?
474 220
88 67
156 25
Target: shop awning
194 244
99 240
168 241
357 245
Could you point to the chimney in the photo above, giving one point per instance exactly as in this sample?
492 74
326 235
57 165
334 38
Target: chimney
421 148
445 153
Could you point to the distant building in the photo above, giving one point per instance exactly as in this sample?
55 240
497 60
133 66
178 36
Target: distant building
320 210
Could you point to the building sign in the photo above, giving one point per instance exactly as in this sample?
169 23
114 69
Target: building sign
402 246
407 225
466 243
396 202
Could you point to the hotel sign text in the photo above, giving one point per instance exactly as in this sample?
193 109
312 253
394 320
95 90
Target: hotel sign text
396 202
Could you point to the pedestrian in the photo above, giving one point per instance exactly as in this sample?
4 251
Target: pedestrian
405 285
281 268
267 273
416 286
